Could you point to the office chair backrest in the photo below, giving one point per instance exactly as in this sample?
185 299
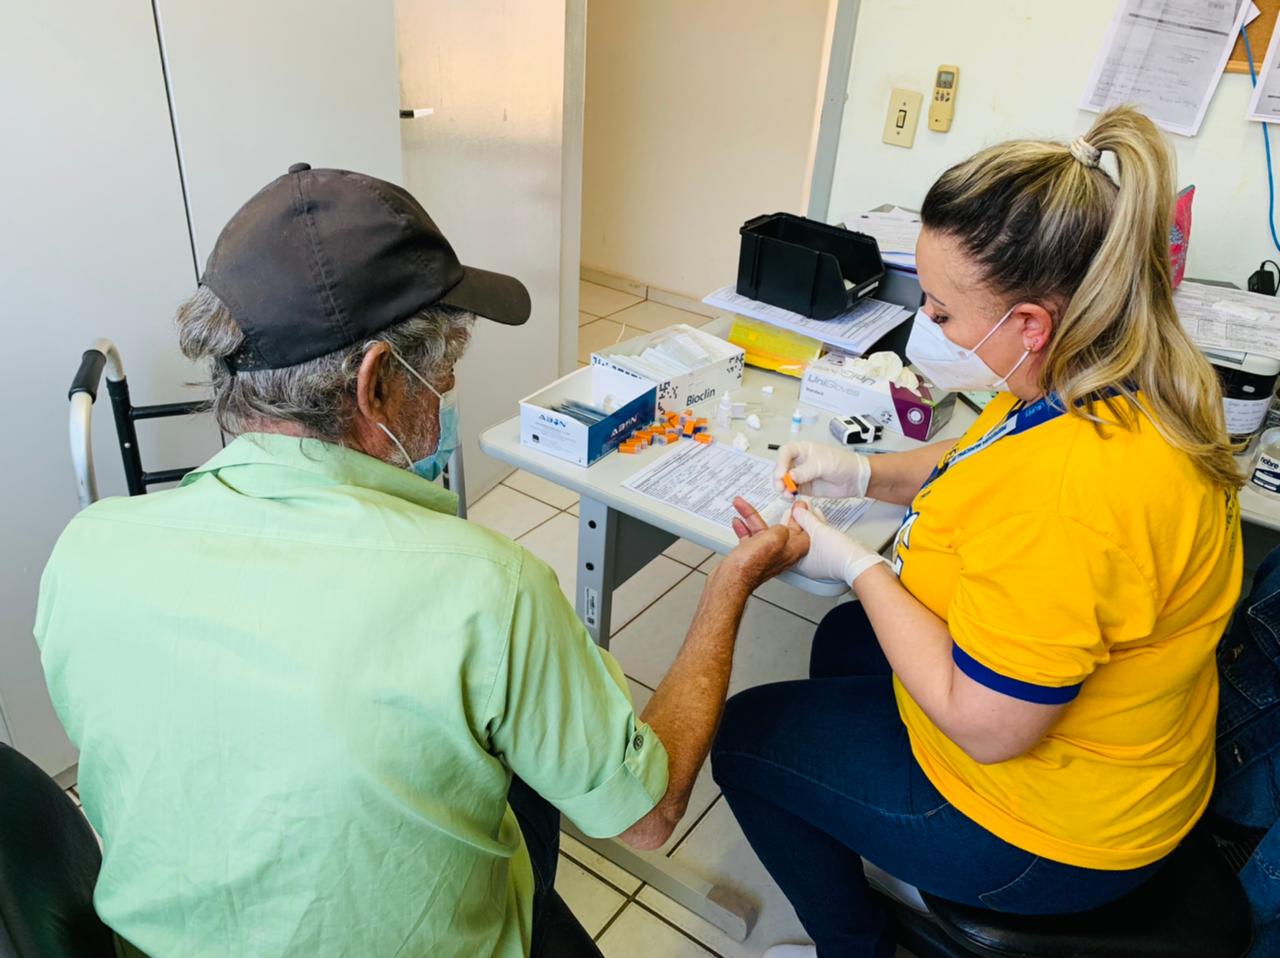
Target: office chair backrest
49 862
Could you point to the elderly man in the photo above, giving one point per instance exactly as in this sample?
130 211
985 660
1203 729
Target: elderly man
318 714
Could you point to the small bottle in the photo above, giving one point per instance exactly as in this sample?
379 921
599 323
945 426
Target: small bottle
1266 467
724 415
797 420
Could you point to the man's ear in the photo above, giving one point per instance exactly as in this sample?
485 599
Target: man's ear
371 399
1037 326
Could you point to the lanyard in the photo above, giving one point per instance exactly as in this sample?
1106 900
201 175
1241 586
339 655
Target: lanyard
1019 419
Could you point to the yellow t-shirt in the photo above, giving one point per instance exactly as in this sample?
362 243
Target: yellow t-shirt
1097 570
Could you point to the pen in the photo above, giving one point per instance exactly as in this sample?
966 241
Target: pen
774 447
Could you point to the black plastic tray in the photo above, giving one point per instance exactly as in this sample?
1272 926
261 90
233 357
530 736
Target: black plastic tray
802 265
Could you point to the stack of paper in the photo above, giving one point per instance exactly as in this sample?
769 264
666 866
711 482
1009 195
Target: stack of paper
853 332
1219 317
703 481
895 230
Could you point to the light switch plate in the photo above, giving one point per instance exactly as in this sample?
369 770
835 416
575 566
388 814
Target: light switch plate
904 113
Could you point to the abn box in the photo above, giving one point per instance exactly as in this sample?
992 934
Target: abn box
703 384
553 432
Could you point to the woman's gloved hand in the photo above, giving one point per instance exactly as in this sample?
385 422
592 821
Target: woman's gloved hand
832 554
823 470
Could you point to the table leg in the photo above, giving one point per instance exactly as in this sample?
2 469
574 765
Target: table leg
725 908
597 555
612 547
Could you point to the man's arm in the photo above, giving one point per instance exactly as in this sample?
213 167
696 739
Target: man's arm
685 709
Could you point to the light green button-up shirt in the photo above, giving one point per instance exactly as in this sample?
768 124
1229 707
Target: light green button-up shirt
300 686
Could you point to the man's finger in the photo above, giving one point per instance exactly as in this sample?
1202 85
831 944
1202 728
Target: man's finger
740 529
753 520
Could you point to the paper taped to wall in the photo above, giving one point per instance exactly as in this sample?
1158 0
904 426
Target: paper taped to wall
1219 317
1166 57
853 332
1264 105
703 480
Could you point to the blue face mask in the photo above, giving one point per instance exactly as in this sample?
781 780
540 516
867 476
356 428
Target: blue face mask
430 467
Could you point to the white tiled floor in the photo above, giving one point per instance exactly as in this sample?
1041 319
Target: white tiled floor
606 315
600 300
651 613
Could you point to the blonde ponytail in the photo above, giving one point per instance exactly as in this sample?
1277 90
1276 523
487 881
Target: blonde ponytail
1049 224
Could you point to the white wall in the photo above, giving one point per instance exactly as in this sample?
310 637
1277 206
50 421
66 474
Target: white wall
488 168
698 117
1023 68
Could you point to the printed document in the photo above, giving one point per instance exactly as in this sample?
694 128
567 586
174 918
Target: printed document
1221 318
703 481
1166 57
853 332
895 233
1264 105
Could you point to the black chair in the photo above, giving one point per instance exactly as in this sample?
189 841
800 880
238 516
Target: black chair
49 862
1193 907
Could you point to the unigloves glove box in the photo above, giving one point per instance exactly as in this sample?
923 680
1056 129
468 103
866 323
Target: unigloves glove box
830 383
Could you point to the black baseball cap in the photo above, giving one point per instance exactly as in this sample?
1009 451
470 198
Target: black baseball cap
318 260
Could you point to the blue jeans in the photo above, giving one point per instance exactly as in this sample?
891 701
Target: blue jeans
556 933
820 772
1248 787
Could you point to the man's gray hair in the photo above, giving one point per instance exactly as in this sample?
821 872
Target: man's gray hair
319 394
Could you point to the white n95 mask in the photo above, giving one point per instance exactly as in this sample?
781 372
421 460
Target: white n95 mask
949 365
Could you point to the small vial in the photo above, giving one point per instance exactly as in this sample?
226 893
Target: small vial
797 420
724 414
1266 467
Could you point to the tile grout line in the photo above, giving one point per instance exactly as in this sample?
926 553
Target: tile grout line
689 831
642 685
538 526
783 608
674 927
631 900
551 505
596 875
613 632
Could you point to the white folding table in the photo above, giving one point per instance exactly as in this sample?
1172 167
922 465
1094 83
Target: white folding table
620 531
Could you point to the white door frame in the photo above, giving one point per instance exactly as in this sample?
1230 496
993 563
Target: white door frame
839 60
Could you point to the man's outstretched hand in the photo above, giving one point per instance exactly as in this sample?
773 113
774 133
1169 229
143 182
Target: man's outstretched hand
763 550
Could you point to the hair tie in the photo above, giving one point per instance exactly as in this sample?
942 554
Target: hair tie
1085 152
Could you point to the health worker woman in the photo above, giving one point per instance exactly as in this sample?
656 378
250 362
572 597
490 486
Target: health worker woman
1019 711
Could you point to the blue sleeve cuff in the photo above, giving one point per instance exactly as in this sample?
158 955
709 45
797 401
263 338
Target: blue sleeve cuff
1015 688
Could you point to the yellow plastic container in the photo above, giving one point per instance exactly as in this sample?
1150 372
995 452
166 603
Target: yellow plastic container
774 349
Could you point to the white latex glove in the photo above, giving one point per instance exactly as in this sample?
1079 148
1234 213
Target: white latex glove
823 470
832 554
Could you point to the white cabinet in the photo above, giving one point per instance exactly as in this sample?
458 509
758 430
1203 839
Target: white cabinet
93 242
259 86
94 237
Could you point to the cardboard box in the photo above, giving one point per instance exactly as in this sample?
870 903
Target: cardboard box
706 383
553 432
831 384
